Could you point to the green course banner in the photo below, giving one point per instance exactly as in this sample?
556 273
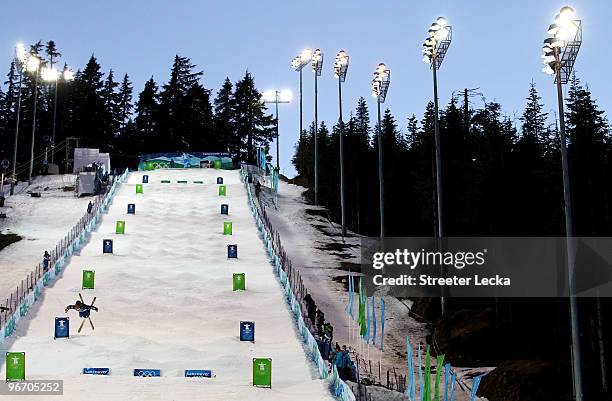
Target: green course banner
138 188
120 227
239 282
227 228
88 279
262 372
15 366
222 190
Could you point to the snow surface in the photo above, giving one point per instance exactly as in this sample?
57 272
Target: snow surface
42 222
166 302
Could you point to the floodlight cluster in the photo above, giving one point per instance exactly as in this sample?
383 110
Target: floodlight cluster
380 82
562 31
341 65
438 32
317 62
301 60
274 96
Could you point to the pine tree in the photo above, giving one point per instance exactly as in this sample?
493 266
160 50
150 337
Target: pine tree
124 103
533 119
147 118
227 136
250 118
89 115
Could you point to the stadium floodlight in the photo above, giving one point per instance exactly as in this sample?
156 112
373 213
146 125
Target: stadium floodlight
317 67
32 63
49 74
380 86
340 70
298 63
68 74
439 38
560 52
276 97
21 53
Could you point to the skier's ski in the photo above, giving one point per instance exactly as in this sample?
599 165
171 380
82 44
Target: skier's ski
81 326
92 326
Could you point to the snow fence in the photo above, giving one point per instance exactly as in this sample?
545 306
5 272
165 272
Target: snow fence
35 292
341 390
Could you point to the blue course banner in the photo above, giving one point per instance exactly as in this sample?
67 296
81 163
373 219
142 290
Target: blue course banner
131 208
107 246
247 331
147 372
145 179
198 373
219 180
232 251
225 209
62 327
96 371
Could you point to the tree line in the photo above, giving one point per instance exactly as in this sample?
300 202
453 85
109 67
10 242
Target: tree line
500 178
102 110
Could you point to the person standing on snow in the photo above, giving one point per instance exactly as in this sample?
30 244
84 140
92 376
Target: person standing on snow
46 260
89 207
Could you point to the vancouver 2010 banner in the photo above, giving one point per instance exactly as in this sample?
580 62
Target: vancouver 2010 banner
185 160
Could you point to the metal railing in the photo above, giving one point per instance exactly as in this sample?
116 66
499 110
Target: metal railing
27 285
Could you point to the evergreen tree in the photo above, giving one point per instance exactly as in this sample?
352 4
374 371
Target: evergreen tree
111 112
124 103
250 118
147 118
89 115
224 119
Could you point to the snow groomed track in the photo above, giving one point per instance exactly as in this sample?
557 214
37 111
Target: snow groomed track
166 302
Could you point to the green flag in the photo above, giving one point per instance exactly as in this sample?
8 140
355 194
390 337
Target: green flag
227 228
439 365
15 366
88 279
222 190
239 282
362 311
139 188
262 372
120 227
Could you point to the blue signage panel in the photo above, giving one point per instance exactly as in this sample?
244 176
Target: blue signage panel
107 246
232 251
198 373
219 180
247 331
145 179
62 327
224 209
96 371
147 372
131 208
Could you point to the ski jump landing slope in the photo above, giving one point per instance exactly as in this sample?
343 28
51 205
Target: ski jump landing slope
165 302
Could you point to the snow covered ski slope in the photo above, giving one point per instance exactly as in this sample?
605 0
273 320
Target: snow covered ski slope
166 302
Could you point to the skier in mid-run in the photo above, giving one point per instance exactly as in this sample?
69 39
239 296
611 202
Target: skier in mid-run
84 310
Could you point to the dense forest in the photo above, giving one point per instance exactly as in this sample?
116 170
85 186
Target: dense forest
102 111
500 178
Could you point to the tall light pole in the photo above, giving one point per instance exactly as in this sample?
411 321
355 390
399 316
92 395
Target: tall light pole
560 52
33 65
21 57
276 97
317 67
439 37
298 63
380 86
340 69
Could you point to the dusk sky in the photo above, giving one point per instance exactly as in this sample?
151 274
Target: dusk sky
496 47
